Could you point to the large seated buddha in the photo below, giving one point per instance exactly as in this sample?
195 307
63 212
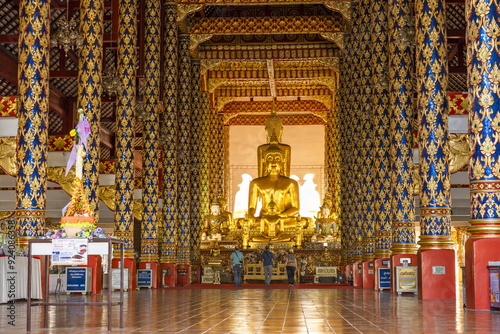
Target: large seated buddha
278 220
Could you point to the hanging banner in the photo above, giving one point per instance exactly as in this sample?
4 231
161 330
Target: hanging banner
69 251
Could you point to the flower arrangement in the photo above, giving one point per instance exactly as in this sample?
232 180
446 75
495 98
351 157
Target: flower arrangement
254 257
88 233
55 234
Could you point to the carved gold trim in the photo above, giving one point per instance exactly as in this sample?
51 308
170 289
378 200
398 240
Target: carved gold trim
206 64
223 100
436 242
185 10
195 40
331 82
212 84
332 62
227 117
343 7
8 155
336 37
327 100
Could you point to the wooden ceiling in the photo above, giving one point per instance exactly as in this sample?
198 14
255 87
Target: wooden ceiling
249 53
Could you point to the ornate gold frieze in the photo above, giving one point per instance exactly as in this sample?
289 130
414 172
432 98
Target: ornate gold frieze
332 62
222 100
267 25
281 107
207 64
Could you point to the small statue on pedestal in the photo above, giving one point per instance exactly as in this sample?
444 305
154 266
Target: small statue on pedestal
216 224
326 225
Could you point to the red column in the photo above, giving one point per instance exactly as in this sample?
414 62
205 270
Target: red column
436 274
368 274
357 270
95 262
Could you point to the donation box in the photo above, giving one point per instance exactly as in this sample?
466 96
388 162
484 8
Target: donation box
78 279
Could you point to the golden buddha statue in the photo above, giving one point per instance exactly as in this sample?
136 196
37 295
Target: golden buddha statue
216 224
279 195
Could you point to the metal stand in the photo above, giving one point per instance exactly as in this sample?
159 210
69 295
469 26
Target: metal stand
43 247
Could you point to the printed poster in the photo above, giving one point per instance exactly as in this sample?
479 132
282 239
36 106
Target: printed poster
69 251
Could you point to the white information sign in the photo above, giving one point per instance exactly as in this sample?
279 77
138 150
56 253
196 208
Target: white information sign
69 251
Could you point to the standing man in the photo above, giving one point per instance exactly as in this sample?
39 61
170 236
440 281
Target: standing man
237 258
268 257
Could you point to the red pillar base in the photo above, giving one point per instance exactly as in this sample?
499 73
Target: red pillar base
348 274
342 270
183 274
478 252
154 272
395 263
432 285
132 268
95 262
378 263
167 275
368 273
358 274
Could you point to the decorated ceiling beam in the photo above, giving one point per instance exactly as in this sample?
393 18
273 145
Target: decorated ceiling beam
303 106
185 7
202 29
303 119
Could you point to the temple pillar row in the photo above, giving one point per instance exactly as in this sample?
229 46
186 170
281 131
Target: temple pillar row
33 79
436 245
89 92
150 154
484 166
124 170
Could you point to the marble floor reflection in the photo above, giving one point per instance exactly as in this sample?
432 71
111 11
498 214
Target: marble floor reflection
275 310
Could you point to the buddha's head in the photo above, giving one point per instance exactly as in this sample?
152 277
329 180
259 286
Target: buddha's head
325 209
215 208
274 159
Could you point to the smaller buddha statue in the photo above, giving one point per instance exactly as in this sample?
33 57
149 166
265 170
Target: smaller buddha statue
227 214
216 224
326 225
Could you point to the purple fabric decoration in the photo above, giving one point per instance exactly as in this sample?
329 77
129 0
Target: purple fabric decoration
72 159
83 129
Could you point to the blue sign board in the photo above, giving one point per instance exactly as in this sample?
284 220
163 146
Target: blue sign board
75 279
384 278
144 278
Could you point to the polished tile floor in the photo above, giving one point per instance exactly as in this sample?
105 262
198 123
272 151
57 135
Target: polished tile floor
267 310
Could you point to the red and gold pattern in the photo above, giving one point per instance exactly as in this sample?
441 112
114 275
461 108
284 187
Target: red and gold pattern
458 104
107 167
287 120
267 25
8 106
60 143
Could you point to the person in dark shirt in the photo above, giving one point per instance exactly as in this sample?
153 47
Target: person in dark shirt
268 257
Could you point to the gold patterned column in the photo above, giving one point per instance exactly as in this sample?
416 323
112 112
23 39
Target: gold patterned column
205 154
169 180
150 166
381 137
401 104
196 115
33 79
89 92
184 149
225 162
368 230
214 151
124 180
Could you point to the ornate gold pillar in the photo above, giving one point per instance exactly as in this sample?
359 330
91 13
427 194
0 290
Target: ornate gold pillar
89 92
483 61
205 154
225 162
196 115
215 191
401 104
33 75
184 153
169 179
368 231
380 133
124 180
150 156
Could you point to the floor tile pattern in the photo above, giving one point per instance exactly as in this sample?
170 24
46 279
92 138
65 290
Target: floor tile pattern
267 310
